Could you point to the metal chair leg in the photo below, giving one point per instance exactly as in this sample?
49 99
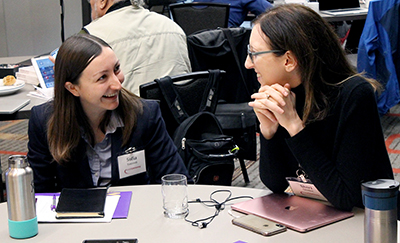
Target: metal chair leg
244 171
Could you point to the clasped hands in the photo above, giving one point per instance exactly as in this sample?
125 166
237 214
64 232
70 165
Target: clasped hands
275 105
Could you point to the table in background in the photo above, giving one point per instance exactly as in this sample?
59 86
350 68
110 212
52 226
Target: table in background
15 60
25 112
147 223
330 18
347 17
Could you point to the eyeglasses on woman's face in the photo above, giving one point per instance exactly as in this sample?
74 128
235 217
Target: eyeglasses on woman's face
253 54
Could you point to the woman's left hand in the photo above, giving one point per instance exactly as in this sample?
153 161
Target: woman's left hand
289 119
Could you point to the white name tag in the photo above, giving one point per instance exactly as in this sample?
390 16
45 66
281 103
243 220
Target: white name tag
131 164
304 189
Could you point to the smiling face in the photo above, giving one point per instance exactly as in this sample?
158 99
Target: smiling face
99 86
270 67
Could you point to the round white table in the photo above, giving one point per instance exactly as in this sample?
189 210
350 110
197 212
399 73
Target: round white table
147 223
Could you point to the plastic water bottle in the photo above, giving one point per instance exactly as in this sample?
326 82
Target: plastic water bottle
21 203
380 217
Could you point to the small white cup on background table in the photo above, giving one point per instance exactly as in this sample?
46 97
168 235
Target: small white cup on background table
314 6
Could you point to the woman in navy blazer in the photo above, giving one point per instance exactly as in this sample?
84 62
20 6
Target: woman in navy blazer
94 132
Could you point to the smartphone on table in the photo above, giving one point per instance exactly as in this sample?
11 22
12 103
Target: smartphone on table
111 241
259 225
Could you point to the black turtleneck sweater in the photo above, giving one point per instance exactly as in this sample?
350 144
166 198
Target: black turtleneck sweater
338 153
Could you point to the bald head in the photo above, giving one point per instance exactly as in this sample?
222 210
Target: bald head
100 7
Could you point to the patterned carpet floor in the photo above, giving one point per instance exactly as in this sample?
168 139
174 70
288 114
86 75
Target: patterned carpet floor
14 139
391 132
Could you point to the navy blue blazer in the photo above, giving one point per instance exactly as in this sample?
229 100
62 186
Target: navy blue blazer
150 134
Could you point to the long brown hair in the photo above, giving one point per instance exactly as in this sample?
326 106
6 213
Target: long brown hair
320 56
68 118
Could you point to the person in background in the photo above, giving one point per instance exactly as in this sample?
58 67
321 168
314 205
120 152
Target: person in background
149 45
95 132
318 117
239 9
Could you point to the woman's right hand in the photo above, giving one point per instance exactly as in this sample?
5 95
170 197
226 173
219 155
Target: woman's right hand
268 127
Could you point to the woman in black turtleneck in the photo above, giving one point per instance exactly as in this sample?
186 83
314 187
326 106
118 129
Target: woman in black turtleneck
316 113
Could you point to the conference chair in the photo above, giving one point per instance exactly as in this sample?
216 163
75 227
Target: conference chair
190 88
226 49
195 16
164 5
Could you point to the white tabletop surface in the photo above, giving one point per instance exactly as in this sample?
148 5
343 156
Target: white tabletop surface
22 93
24 113
147 223
14 60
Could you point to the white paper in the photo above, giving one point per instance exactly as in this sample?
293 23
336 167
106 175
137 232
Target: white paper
45 94
46 215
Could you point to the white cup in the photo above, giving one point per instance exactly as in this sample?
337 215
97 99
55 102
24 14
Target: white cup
314 6
175 198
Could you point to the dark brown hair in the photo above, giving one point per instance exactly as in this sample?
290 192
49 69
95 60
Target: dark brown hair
68 118
320 56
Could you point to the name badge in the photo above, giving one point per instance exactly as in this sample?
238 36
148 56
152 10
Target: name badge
304 188
131 164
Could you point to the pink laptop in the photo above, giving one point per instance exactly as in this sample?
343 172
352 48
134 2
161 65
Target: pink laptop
297 213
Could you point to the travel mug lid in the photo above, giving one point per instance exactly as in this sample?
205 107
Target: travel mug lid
381 186
380 194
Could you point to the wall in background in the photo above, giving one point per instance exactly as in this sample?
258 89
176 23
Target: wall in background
3 41
34 27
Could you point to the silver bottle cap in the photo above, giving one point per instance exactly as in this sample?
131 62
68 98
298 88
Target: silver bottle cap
17 161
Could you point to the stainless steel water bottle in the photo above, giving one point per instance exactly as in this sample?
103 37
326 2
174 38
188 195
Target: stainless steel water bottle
380 217
21 203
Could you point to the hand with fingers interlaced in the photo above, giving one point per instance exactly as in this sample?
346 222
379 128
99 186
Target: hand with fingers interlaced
275 105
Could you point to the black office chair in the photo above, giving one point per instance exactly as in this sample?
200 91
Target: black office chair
226 49
192 17
164 4
190 87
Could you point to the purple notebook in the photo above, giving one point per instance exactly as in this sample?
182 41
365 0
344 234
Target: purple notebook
122 210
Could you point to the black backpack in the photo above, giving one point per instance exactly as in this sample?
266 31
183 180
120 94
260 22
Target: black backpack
207 153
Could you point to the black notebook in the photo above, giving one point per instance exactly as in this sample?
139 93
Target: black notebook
81 203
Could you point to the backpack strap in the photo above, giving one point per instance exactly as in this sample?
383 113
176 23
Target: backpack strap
210 99
231 42
172 98
175 104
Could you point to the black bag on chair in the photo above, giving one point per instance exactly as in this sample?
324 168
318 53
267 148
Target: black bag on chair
239 121
226 49
206 152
